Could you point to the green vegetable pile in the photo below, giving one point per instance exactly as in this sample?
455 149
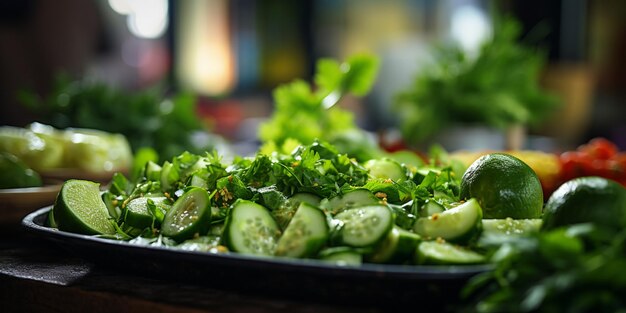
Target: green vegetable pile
577 268
336 191
498 88
145 118
304 113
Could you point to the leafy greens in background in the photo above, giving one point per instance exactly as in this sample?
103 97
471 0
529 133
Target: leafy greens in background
303 114
145 117
498 88
579 268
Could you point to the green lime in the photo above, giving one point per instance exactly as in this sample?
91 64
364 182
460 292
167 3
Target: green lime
34 150
79 209
15 174
504 187
587 199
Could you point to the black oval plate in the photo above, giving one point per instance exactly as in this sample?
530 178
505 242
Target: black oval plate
431 286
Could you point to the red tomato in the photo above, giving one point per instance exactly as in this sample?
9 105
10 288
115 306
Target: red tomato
600 148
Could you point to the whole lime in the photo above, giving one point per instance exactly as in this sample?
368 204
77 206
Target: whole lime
587 199
504 186
16 174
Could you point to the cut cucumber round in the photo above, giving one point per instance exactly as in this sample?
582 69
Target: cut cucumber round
306 233
251 229
431 207
189 216
510 227
386 168
152 171
497 231
305 197
351 199
112 203
397 247
78 208
341 256
458 224
138 215
407 157
198 180
168 176
435 252
365 226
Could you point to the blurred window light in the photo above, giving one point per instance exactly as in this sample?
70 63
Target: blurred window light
205 53
121 6
145 18
470 27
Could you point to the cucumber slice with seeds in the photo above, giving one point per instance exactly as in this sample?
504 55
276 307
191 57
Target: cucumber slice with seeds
152 171
137 214
397 247
168 176
305 197
251 229
355 198
341 256
431 207
436 252
386 168
306 233
365 226
189 216
497 231
458 224
510 227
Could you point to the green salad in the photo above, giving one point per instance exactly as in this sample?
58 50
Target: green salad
313 203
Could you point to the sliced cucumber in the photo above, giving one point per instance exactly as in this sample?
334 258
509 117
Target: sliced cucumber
189 216
407 157
271 197
168 176
251 229
341 256
497 231
198 180
152 171
431 207
397 247
510 227
137 214
355 198
435 252
386 168
306 233
365 226
112 203
458 224
209 244
305 197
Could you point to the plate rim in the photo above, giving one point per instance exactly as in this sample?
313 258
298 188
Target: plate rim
390 271
29 190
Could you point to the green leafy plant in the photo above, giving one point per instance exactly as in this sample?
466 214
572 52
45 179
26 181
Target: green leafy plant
303 114
146 118
578 268
498 88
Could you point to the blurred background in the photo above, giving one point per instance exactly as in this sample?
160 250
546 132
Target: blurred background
228 56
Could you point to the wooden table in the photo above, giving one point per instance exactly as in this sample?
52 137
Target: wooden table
37 276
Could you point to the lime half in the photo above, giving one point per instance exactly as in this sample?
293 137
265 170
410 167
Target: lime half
79 209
